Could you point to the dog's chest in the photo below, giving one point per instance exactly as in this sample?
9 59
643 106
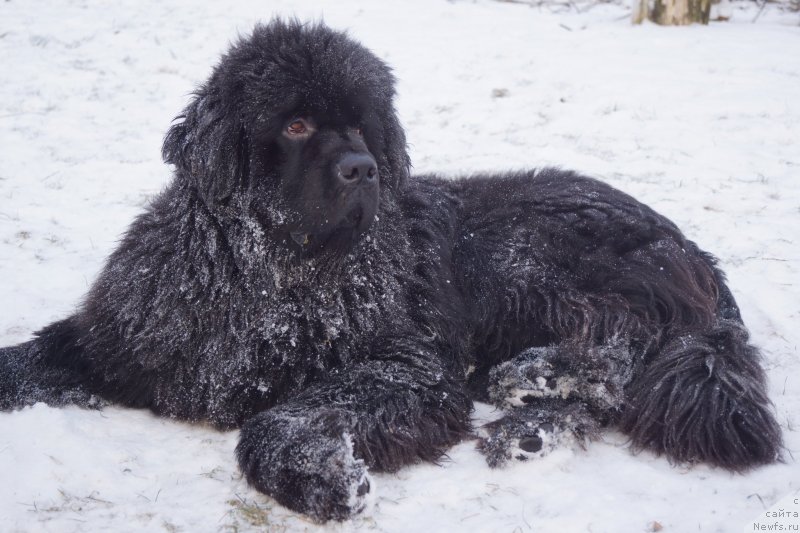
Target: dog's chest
305 325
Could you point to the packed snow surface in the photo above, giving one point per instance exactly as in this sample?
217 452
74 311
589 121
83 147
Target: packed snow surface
702 123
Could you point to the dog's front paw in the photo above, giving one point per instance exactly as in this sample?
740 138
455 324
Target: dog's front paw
306 462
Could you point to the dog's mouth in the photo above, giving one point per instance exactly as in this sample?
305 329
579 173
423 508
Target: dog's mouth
301 238
342 235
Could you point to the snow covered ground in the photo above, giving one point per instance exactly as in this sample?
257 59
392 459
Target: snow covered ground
703 123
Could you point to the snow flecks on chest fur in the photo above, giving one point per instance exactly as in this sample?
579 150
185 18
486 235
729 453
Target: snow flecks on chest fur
224 319
303 318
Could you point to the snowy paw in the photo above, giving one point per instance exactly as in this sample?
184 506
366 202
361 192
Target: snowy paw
524 380
541 441
306 463
594 375
534 432
500 446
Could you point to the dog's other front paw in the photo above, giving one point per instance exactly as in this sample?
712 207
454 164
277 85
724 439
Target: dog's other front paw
305 461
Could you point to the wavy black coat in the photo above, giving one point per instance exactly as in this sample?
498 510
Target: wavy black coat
370 358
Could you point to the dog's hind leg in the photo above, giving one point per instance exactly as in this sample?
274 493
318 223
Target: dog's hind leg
555 396
46 370
595 375
702 398
698 396
696 393
534 429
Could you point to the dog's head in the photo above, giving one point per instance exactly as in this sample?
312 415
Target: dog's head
299 120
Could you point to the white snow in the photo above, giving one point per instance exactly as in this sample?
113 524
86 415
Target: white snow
703 123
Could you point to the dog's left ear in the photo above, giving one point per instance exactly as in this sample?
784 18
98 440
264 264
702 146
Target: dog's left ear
209 144
396 150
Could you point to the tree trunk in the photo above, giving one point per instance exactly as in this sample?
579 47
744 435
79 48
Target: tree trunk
672 12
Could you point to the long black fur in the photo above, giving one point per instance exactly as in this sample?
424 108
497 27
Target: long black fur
258 291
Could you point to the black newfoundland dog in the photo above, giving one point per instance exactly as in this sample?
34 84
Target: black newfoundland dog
293 280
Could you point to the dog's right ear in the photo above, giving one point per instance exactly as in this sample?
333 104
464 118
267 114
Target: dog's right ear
209 144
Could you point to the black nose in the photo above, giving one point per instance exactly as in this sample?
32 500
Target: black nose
354 167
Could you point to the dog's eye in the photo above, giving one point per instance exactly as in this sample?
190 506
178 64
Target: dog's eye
297 127
359 131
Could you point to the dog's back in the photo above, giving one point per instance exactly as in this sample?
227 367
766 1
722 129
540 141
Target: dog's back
585 306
